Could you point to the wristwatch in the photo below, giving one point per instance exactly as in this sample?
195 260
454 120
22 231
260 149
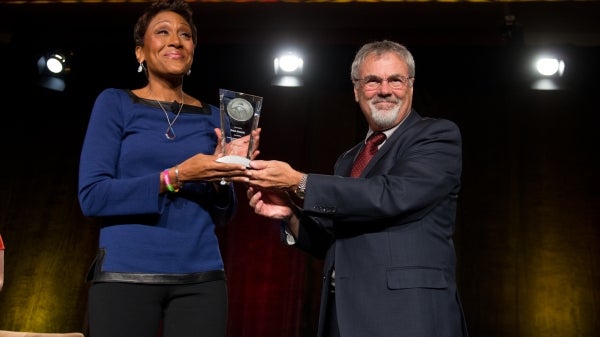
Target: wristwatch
299 191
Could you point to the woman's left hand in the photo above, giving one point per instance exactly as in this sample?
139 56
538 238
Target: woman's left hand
239 146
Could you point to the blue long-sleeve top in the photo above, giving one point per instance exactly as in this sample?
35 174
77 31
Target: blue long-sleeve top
123 154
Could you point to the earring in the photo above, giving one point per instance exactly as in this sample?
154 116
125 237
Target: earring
140 67
189 72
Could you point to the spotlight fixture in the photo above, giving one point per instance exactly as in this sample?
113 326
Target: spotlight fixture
547 66
56 63
288 63
548 70
53 67
288 68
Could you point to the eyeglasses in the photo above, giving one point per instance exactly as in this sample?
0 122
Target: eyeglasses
395 82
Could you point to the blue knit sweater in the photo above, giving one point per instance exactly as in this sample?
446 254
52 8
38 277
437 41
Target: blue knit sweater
123 154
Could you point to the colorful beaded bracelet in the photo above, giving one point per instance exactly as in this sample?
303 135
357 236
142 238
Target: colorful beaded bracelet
167 180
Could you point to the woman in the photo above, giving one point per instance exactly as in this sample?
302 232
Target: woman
148 171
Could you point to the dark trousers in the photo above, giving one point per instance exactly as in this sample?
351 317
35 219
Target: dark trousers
142 310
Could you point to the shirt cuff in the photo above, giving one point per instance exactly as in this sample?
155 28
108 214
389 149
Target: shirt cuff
286 236
290 240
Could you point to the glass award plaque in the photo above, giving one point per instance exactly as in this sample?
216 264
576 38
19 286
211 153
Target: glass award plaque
240 113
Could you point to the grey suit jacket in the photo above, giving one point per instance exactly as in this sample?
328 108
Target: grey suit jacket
388 234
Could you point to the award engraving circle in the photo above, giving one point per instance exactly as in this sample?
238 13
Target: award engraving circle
240 109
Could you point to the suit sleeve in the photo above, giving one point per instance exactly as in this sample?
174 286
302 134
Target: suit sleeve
418 169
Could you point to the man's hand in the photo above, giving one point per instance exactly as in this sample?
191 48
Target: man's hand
274 175
271 204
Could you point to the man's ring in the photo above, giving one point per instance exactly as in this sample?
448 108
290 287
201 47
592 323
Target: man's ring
223 182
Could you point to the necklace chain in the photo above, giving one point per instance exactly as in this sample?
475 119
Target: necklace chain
169 132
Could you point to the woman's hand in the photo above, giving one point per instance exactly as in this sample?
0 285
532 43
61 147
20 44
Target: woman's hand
203 167
239 146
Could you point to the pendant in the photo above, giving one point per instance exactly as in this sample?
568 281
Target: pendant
170 133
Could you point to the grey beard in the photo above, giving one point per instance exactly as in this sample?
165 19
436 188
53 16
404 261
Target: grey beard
385 119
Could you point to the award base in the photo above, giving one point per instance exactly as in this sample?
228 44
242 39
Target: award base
232 159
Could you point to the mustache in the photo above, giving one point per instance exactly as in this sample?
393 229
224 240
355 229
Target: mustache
385 100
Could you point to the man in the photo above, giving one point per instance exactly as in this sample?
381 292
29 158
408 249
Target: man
386 234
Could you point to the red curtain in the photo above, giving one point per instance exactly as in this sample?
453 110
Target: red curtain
274 289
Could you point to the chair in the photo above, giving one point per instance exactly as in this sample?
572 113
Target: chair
5 333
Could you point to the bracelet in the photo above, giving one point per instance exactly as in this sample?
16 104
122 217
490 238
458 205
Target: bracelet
177 182
171 188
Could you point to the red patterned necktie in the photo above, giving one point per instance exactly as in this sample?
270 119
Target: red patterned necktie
367 152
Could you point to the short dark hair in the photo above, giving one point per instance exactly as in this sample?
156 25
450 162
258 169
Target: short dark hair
178 6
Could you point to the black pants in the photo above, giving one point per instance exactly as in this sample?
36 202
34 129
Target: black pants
142 310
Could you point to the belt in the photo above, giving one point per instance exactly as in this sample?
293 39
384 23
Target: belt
201 277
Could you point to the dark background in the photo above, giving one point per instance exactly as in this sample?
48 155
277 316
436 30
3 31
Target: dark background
528 237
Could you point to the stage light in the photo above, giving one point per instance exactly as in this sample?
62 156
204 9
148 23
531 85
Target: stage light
56 63
53 68
288 63
548 68
288 67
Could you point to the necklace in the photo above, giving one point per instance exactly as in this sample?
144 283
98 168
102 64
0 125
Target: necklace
169 132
